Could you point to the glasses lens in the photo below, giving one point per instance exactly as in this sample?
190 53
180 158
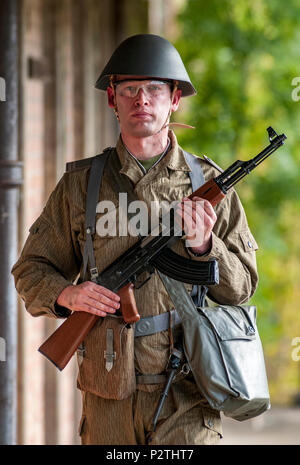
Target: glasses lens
151 88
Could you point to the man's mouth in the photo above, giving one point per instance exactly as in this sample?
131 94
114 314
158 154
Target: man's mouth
141 115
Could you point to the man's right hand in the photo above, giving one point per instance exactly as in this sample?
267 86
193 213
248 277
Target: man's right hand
89 297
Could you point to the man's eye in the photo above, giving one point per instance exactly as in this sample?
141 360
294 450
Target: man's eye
153 88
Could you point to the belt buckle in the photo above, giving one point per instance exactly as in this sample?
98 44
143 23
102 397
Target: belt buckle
144 326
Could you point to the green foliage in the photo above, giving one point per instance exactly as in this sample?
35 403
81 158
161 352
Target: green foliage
242 57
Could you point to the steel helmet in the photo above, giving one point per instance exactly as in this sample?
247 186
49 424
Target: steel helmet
147 55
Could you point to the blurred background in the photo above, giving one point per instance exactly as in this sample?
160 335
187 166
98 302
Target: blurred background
244 60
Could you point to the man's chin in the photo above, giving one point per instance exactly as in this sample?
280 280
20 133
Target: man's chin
144 134
145 130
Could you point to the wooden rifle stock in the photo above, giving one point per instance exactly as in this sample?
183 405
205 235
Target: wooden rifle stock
63 343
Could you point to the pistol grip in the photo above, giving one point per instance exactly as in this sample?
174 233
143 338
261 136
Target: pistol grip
128 304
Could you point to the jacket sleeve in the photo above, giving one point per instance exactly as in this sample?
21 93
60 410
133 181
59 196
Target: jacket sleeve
50 259
234 246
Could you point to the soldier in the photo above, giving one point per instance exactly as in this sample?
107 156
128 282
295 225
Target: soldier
144 80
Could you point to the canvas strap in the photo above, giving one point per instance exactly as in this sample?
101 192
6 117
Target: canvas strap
95 177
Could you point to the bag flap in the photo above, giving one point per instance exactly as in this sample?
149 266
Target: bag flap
232 322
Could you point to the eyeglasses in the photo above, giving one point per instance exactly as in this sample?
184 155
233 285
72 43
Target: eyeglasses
151 88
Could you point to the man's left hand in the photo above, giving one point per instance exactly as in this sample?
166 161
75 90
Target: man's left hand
197 217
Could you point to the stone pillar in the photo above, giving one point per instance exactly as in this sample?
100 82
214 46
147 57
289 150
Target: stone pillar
10 182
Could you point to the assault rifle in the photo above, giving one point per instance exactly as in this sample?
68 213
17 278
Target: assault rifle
147 254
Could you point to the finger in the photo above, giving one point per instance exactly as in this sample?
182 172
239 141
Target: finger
107 292
83 304
187 218
204 211
194 228
97 297
189 209
210 210
193 214
96 306
207 206
196 199
186 207
90 309
196 203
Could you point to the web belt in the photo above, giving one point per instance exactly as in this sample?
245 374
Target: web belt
155 324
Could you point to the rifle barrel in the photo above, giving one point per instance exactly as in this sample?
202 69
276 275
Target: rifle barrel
238 170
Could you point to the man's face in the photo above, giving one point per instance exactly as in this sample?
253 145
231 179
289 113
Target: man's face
143 104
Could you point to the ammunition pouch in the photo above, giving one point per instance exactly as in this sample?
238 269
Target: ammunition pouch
106 360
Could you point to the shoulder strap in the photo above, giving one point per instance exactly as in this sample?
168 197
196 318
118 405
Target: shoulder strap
121 183
95 177
84 162
196 175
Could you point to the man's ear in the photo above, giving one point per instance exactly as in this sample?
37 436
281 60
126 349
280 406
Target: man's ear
176 99
110 97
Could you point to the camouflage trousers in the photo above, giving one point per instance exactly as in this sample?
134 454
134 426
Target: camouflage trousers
184 419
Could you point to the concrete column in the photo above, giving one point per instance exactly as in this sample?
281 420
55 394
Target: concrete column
10 182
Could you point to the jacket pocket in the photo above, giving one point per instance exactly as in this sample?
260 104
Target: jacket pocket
212 421
107 367
248 242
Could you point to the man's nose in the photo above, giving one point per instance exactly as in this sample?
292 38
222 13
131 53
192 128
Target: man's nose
141 97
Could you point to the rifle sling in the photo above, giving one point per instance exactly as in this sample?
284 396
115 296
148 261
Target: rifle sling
95 177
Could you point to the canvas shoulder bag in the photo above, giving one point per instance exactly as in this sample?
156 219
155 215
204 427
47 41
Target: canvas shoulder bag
224 351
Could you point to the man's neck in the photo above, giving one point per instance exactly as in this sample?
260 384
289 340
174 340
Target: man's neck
144 148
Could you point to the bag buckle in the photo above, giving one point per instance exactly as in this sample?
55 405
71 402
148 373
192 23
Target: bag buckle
109 357
109 354
94 273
